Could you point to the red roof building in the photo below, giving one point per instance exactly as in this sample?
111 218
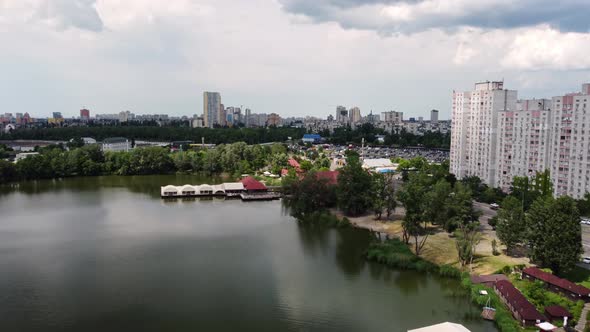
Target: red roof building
331 177
524 311
294 163
557 285
488 280
556 313
253 185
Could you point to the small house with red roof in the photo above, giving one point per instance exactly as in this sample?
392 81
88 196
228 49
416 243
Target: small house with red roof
557 285
251 185
294 163
524 311
557 313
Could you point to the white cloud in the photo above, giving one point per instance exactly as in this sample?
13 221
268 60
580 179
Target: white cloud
153 56
544 48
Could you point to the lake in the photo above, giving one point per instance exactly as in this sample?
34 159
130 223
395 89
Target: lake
107 254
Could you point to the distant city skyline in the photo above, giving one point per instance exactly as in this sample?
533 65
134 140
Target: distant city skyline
291 57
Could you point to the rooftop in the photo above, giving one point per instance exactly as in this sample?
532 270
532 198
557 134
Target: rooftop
512 295
557 281
251 183
558 311
442 327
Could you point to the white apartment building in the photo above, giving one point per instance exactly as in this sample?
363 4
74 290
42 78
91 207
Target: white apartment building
475 128
392 117
496 138
570 148
524 137
355 115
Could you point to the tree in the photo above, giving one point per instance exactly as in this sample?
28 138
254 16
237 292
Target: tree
378 193
390 195
459 208
554 233
584 205
436 202
510 224
414 223
7 171
353 182
467 237
308 195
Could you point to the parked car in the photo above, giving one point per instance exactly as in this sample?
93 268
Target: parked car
494 206
585 221
586 260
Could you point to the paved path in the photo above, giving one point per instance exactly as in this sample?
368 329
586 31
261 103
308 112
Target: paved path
582 322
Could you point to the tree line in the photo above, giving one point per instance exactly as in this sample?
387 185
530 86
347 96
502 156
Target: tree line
226 135
57 161
547 229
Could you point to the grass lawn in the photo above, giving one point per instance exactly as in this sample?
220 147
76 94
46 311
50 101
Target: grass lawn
580 276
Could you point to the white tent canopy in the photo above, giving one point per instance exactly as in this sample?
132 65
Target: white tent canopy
443 327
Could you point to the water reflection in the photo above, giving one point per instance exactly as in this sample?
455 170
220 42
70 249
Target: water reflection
79 256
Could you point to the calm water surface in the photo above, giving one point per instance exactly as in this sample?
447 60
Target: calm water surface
107 254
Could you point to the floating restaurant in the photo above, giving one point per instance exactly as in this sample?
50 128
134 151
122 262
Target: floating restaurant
248 189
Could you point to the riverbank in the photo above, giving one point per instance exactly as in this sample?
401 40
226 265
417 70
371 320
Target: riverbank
440 247
396 254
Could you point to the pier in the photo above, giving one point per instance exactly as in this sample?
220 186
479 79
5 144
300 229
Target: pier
248 189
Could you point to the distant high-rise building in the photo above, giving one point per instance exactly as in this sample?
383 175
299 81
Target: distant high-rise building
247 117
222 116
392 117
372 118
57 115
84 114
434 116
125 116
211 107
355 115
330 118
273 120
341 114
420 119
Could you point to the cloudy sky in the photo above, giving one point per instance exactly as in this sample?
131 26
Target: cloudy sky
294 57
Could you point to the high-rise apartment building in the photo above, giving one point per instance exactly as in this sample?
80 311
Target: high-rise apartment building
475 128
523 140
84 114
341 114
211 107
247 115
434 116
392 117
355 115
273 120
496 138
570 148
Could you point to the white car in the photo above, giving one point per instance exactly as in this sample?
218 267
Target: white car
494 206
585 221
586 260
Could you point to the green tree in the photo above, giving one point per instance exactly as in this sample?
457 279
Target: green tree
7 171
467 237
583 205
379 194
510 224
436 203
554 233
308 195
414 224
353 182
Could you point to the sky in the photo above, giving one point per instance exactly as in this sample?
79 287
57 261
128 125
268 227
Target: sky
293 57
